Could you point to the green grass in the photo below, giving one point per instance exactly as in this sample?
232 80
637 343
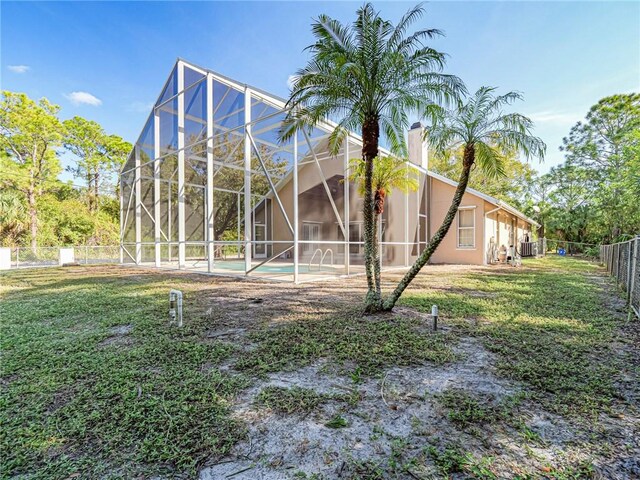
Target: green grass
94 381
365 346
78 398
468 408
291 400
547 325
301 400
337 421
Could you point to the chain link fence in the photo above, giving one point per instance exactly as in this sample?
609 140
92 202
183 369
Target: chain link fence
623 263
24 257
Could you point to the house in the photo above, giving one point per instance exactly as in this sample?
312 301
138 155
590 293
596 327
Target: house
483 225
209 187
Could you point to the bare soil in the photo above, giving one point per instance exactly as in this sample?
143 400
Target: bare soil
398 414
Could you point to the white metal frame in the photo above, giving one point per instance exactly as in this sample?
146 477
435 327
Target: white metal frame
249 134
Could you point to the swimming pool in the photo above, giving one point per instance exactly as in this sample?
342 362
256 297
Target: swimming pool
238 266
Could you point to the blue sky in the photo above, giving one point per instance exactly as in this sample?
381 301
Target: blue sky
107 61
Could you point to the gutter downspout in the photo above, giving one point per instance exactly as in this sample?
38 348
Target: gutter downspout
484 240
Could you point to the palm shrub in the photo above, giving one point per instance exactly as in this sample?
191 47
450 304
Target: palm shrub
389 173
481 128
368 76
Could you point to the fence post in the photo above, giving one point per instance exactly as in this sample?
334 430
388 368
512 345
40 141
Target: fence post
633 265
5 258
612 250
630 252
86 254
17 257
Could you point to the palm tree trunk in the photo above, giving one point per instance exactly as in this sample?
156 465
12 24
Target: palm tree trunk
378 208
370 137
376 257
89 190
468 159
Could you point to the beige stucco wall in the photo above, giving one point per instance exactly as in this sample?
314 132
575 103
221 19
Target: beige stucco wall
400 209
448 251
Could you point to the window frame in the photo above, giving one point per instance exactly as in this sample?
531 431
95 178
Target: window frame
472 228
308 245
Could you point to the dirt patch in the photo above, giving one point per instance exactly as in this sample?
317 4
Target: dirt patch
119 337
398 416
121 329
7 380
400 404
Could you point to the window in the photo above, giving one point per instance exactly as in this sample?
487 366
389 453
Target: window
310 233
466 227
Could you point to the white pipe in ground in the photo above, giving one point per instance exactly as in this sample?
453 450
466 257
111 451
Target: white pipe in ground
175 306
434 317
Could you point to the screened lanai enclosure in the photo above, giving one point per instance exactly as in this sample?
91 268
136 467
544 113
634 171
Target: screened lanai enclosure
208 187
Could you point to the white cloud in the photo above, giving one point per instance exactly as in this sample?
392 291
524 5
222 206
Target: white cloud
18 68
555 118
83 98
141 107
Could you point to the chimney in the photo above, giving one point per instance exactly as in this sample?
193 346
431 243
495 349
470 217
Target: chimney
418 152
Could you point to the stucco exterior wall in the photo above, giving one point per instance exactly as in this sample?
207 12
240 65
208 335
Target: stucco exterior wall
448 251
401 218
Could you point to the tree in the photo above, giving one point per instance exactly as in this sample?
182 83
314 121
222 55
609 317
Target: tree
511 187
98 155
537 201
571 193
29 133
13 221
389 173
483 131
368 76
600 145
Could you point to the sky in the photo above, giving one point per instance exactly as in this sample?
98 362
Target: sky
108 61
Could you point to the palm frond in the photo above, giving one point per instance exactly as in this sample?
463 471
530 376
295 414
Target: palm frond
480 124
490 160
389 174
369 69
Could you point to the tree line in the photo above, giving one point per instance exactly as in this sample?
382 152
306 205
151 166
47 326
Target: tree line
593 196
36 207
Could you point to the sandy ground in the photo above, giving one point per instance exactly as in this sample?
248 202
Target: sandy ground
399 410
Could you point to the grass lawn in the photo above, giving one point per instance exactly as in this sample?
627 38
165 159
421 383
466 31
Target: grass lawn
96 384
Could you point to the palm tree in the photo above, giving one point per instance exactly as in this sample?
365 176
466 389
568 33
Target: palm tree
389 173
12 217
483 131
367 76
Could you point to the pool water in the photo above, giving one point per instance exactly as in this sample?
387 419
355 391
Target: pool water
271 268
